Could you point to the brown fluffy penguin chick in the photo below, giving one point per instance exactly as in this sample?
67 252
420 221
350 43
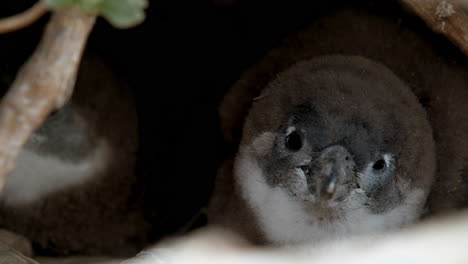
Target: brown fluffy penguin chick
328 151
434 69
425 65
72 189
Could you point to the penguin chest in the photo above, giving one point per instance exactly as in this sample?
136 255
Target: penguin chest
37 175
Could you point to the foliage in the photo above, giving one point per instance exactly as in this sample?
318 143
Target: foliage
120 13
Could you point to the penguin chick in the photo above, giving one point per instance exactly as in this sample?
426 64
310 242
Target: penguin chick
62 152
336 146
329 150
73 190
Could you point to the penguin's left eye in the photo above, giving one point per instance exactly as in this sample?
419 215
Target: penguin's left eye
377 173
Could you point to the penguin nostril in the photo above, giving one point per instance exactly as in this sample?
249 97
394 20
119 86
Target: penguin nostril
305 169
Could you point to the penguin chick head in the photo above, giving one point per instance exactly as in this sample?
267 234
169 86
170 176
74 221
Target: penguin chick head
335 146
66 134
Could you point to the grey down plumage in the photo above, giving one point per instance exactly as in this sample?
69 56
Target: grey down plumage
313 83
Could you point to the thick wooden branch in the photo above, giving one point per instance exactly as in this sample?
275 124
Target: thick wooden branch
43 84
449 17
23 19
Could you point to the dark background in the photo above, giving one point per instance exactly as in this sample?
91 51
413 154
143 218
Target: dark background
180 62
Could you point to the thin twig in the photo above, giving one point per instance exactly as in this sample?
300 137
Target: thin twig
23 19
43 84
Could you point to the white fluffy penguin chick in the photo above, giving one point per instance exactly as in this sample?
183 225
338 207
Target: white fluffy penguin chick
336 146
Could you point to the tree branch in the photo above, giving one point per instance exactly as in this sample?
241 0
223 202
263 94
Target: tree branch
43 84
449 17
23 19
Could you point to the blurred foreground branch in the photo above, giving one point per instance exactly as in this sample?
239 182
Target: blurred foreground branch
437 241
43 84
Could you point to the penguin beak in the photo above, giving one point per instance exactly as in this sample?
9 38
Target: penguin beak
331 173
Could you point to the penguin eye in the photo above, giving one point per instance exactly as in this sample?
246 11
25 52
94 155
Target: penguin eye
293 141
379 165
377 173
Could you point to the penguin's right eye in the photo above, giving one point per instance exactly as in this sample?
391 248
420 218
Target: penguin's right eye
293 141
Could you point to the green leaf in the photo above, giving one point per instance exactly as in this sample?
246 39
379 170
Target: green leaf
90 6
58 3
124 13
120 13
